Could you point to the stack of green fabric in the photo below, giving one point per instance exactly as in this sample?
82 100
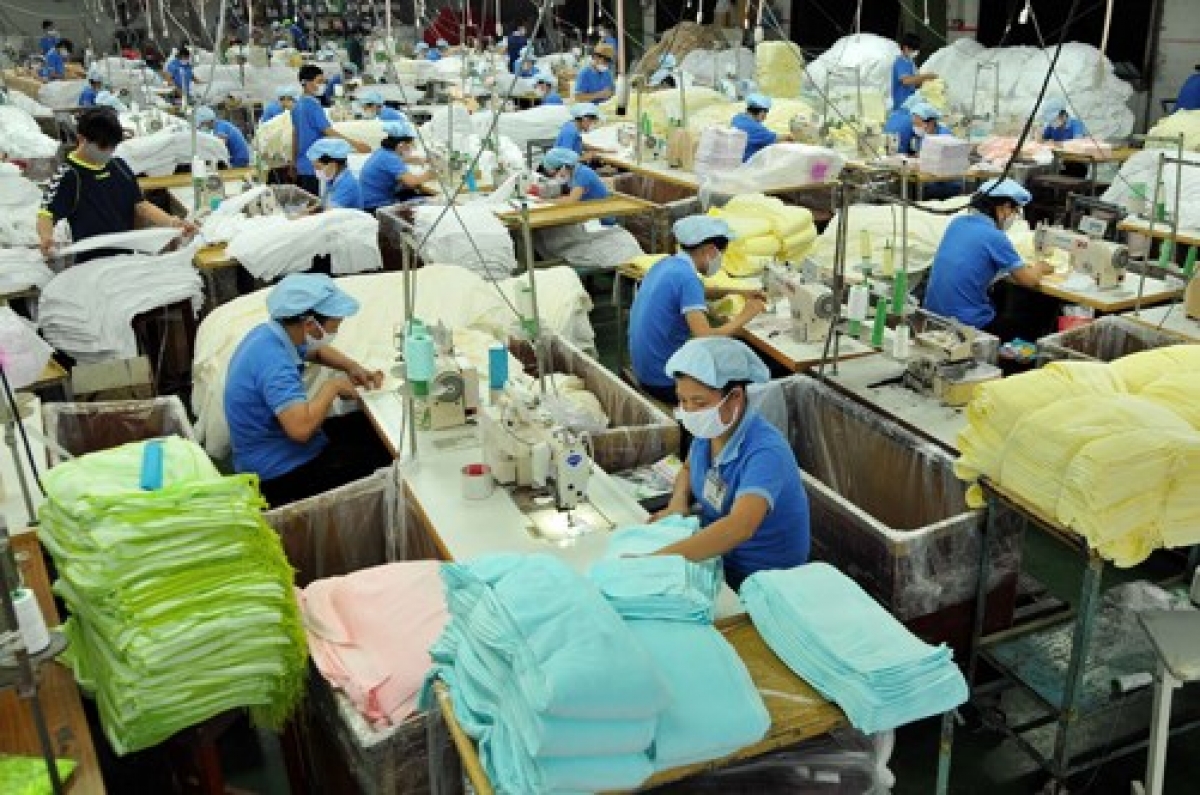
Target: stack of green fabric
180 596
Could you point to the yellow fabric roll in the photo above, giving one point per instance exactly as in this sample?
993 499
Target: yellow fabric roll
1139 370
727 307
744 226
643 263
803 240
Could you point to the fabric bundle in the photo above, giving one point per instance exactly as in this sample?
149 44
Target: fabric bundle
1140 172
766 230
21 137
180 595
1181 122
272 246
857 65
160 153
545 676
369 633
855 653
22 268
641 585
779 68
87 310
471 237
1107 450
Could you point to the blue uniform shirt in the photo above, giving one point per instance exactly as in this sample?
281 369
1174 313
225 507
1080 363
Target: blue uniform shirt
757 461
299 37
527 71
972 255
658 319
343 193
181 75
1189 94
264 379
310 121
914 143
899 123
390 114
552 98
758 137
1068 132
270 111
47 43
569 137
235 143
593 187
87 97
331 88
589 81
902 67
55 68
515 45
379 176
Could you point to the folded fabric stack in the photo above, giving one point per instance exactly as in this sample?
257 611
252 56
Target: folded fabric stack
1107 450
641 585
831 633
87 310
180 596
766 230
273 246
547 678
369 633
22 268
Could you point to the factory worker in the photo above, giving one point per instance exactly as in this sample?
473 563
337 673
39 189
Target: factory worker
740 469
179 71
385 177
55 67
515 44
975 252
925 119
900 123
231 136
1189 93
604 36
758 137
374 108
1059 124
905 79
438 51
298 34
277 430
310 124
421 51
527 65
107 99
285 100
543 86
339 187
664 75
585 117
49 39
670 307
582 183
95 193
95 82
595 81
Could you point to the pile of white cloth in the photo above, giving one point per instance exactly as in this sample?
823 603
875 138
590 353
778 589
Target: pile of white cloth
87 310
160 153
471 237
523 126
19 202
21 137
1142 169
150 120
271 246
22 101
779 166
61 94
22 268
872 55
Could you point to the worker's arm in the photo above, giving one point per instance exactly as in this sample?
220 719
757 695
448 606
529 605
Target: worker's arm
574 197
699 326
300 421
918 80
359 146
334 359
147 214
45 231
728 532
1031 275
681 495
717 293
410 180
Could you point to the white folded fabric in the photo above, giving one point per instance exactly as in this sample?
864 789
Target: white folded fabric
272 246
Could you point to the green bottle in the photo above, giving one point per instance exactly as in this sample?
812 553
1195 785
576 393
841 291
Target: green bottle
1165 252
880 323
1189 265
899 292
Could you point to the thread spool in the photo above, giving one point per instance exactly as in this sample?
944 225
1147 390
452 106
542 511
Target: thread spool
29 618
900 343
859 300
880 323
889 258
477 482
419 356
864 245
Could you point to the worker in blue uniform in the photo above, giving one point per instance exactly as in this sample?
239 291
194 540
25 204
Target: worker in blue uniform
231 136
309 124
905 79
544 86
900 123
285 99
595 83
374 108
585 117
298 34
277 430
55 67
604 36
758 137
527 63
581 182
664 75
669 308
179 70
740 470
49 39
438 51
1060 125
975 253
515 44
386 178
926 122
339 187
95 83
1189 93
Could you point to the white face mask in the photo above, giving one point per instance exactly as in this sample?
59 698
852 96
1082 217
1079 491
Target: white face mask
714 265
315 343
95 155
919 130
915 55
705 423
600 67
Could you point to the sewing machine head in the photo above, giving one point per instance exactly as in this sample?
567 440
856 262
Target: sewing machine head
1102 260
946 364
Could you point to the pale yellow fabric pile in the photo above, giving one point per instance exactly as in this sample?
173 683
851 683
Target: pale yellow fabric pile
779 68
1183 121
1110 451
766 230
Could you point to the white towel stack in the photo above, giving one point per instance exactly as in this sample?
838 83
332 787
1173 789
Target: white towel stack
272 246
945 155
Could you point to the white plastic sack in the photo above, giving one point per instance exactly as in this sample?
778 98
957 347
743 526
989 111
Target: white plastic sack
780 165
21 137
24 354
470 237
709 67
159 154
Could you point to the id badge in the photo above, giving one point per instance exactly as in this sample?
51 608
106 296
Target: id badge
714 490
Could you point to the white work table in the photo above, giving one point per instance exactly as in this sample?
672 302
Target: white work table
466 529
771 334
1169 317
1121 298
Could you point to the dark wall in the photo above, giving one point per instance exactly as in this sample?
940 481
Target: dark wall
1128 38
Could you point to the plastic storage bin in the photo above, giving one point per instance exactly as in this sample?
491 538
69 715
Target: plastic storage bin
82 428
1105 340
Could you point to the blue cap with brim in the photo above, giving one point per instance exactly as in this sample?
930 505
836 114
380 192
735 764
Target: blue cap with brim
300 294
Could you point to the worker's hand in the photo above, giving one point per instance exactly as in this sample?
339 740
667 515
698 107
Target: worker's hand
47 246
360 147
754 307
345 388
188 228
759 295
1044 268
368 379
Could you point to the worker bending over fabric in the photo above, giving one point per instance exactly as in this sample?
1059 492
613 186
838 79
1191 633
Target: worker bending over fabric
1060 126
285 99
527 64
544 87
276 429
740 469
900 123
231 136
975 253
1189 93
374 108
310 124
55 67
669 308
339 187
95 82
585 117
385 177
95 193
905 79
180 73
595 83
758 137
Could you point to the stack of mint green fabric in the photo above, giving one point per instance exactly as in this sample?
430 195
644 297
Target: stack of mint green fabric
180 597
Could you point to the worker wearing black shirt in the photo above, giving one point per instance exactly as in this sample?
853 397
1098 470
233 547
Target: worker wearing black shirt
95 193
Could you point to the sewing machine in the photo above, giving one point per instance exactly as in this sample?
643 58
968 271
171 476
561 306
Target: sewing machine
453 392
944 364
1102 260
812 305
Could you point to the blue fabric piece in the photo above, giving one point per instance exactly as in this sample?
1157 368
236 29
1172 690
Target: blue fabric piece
1068 132
270 111
899 123
902 67
1189 94
344 192
264 379
590 81
87 97
310 123
855 653
235 142
658 318
756 461
972 255
569 137
758 137
379 176
641 585
715 708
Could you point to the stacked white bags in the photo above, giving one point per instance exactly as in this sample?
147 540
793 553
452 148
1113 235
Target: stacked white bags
720 150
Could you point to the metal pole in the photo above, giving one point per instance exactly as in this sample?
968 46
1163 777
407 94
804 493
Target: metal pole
1080 641
527 241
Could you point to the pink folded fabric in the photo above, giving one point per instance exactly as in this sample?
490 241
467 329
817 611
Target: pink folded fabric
369 634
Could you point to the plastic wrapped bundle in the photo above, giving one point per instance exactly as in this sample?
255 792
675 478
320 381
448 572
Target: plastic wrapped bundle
180 596
872 55
21 137
783 165
779 70
1142 169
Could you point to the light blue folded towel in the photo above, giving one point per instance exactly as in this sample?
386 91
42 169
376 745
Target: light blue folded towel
831 633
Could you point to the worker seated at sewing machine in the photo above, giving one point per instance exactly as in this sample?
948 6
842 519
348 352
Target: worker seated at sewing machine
900 124
544 87
373 108
285 99
758 136
95 82
740 470
926 121
580 183
385 177
277 430
595 83
527 63
1060 126
339 187
55 66
975 253
585 117
235 143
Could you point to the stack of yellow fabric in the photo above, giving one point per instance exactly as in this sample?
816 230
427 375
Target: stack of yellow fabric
1107 450
767 230
1185 122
